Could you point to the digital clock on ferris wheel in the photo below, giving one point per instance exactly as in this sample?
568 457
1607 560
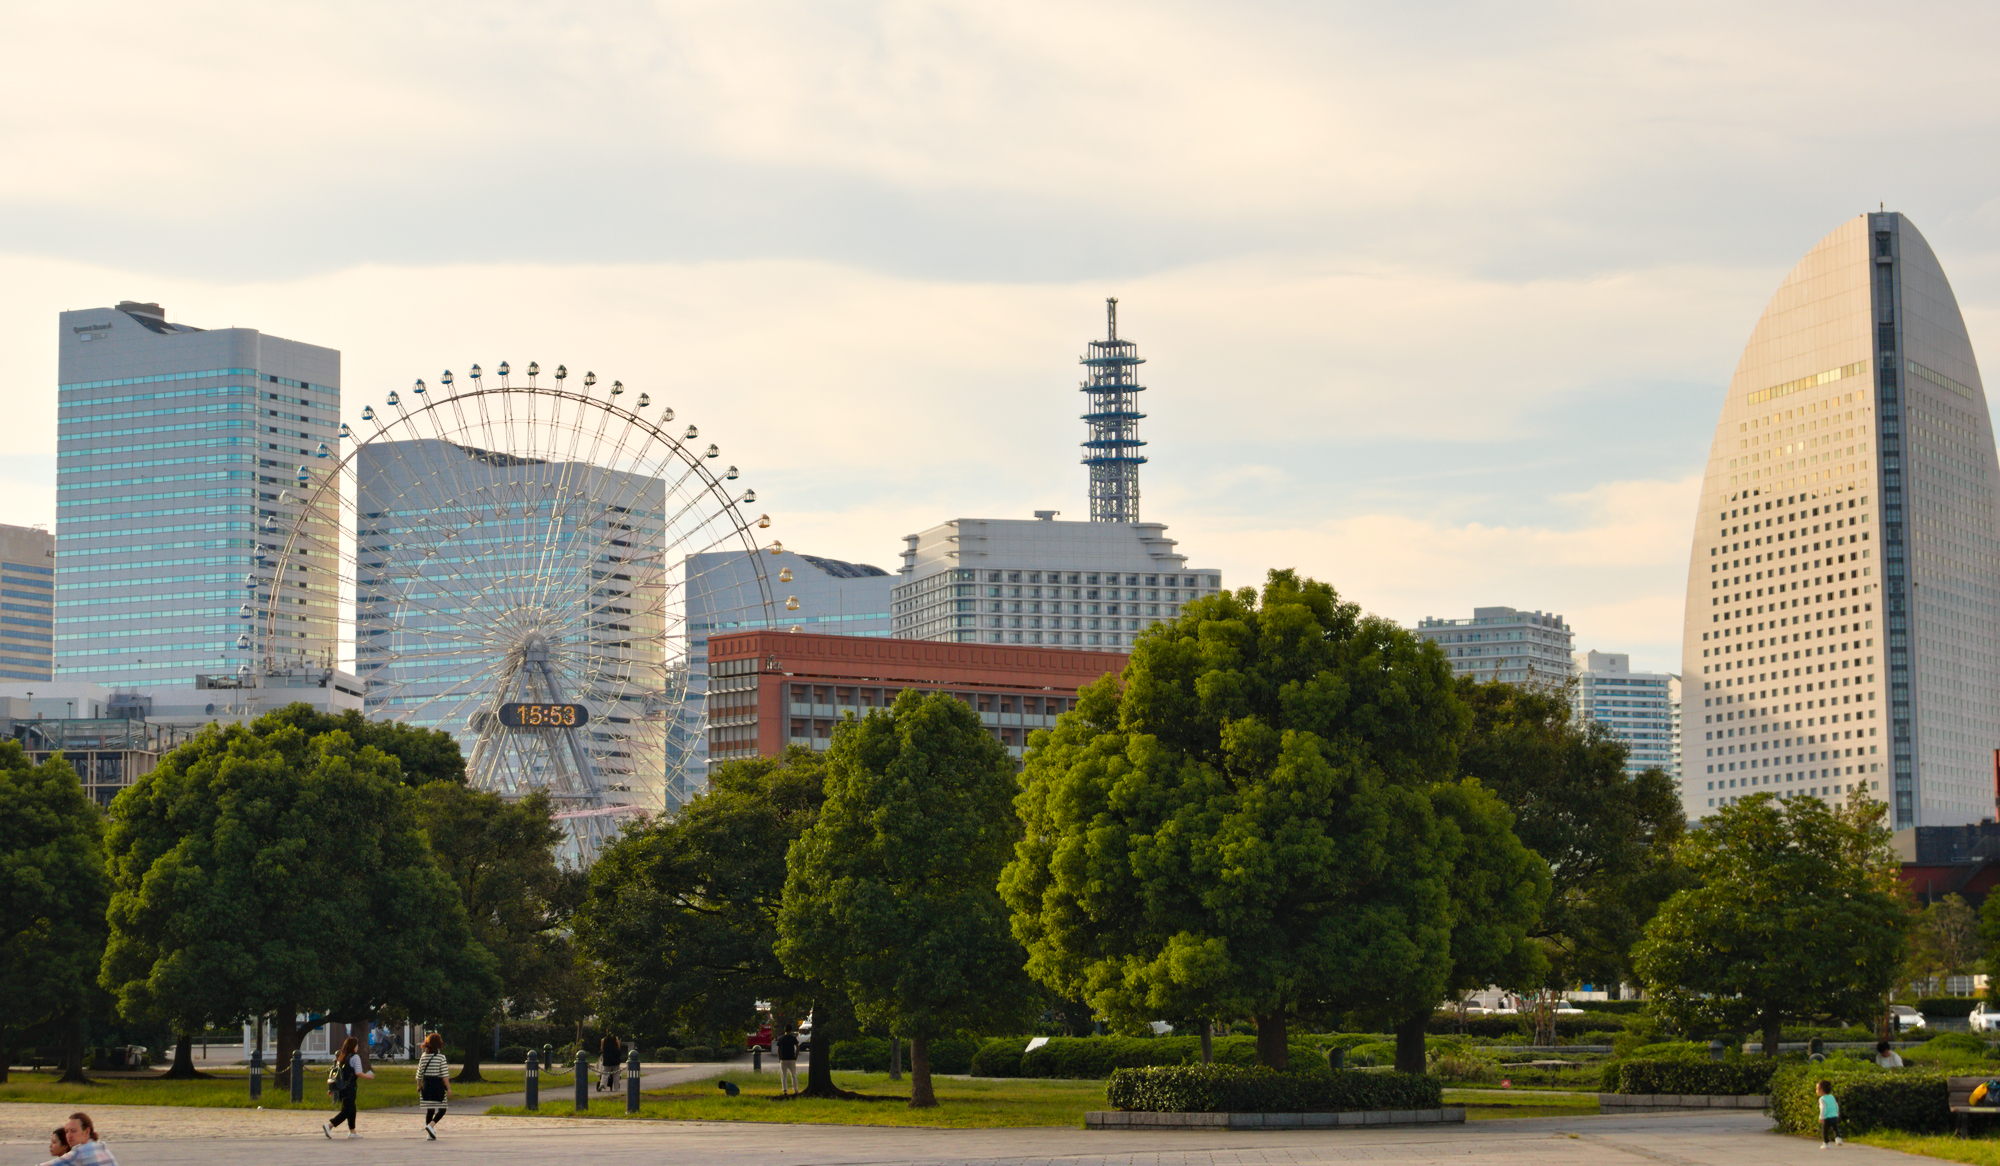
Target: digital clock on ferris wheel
528 715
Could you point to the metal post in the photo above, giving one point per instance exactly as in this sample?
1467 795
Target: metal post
1715 1050
298 1075
1336 1058
533 1082
582 1080
632 1081
756 1060
256 1074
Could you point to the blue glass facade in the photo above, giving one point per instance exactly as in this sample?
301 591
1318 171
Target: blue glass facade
27 603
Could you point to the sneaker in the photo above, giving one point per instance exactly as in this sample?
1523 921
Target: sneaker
352 1134
1840 1141
326 1127
431 1133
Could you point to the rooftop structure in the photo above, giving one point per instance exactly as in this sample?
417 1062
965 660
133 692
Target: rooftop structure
1112 449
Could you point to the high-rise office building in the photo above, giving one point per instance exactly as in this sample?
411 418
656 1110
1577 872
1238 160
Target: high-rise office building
27 603
1843 625
174 444
1638 708
723 594
1503 644
486 578
1089 585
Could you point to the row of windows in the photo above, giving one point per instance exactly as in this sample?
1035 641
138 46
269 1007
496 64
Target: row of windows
84 424
159 378
25 567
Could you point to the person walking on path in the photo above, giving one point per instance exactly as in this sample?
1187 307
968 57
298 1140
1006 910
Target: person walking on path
433 1083
344 1083
1829 1115
84 1147
787 1047
613 1054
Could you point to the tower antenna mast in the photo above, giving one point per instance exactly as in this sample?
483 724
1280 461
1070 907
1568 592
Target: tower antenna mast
1111 451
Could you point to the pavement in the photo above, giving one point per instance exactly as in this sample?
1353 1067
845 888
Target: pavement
167 1136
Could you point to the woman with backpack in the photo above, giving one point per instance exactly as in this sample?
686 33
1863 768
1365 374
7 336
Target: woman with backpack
343 1082
433 1083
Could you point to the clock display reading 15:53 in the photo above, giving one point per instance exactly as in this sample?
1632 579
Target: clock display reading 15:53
526 715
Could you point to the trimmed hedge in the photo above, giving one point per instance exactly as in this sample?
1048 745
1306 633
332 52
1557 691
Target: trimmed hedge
1083 1057
1237 1089
1000 1057
1916 1100
1947 1007
870 1054
1626 1007
1449 1024
1686 1075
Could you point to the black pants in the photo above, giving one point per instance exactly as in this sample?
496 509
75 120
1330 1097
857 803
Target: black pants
346 1113
431 1089
1829 1129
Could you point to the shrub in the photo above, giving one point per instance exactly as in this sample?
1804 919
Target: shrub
1948 1007
1348 1040
1625 1007
1232 1089
999 1057
1916 1100
1377 1053
1083 1057
1518 1027
868 1054
1687 1075
1463 1067
512 1055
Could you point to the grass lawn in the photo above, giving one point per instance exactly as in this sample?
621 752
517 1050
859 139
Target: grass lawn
978 1103
230 1089
1980 1151
1489 1104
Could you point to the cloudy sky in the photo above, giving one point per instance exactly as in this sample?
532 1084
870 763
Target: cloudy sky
1438 300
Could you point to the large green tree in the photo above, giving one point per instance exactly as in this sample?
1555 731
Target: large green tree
1606 835
890 894
501 856
1946 939
422 755
680 921
1794 912
1245 825
52 899
266 872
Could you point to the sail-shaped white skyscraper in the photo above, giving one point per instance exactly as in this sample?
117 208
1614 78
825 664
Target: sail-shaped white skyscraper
1843 600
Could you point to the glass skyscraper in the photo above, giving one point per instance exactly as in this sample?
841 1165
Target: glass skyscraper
175 444
1843 625
27 603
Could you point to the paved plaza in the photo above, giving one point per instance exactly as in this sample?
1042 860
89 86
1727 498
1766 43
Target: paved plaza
160 1136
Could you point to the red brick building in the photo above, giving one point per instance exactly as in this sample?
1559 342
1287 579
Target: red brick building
767 690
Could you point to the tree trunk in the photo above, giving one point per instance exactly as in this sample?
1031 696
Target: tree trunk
291 1034
921 1094
1773 1029
1207 1042
1271 1049
73 1054
468 1069
183 1067
6 1054
829 1021
1411 1055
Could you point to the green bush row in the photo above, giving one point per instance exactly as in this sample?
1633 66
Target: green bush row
1916 1100
1595 1023
1688 1075
870 1054
1947 1007
1625 1007
1087 1057
1250 1089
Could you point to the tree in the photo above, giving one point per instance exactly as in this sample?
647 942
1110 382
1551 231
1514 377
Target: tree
1793 913
681 917
890 894
501 856
1606 835
268 872
423 755
1246 828
52 900
1497 890
1946 940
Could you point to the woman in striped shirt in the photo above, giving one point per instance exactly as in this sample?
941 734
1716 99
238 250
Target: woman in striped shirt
433 1083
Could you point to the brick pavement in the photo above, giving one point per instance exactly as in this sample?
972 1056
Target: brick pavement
162 1136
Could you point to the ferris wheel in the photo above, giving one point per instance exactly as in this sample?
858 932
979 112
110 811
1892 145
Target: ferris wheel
524 559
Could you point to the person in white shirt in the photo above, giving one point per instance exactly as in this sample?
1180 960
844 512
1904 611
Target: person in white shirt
85 1147
433 1083
345 1086
1886 1056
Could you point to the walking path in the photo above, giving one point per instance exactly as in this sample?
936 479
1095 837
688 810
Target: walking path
160 1136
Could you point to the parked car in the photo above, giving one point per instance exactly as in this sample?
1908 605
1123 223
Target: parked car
1983 1018
1905 1017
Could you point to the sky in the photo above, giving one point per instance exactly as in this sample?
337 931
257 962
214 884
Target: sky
1438 301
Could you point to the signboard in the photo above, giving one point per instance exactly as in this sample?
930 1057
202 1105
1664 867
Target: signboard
522 715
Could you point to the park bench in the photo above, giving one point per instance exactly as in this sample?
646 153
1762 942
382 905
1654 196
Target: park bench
1962 1110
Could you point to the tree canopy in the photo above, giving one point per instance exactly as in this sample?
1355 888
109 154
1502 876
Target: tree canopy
52 896
1606 835
272 872
890 894
1793 913
1245 825
422 755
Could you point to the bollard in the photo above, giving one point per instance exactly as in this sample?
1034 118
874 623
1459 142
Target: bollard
548 1058
256 1074
1815 1050
298 1075
1336 1058
632 1082
533 1081
756 1060
1715 1049
582 1080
